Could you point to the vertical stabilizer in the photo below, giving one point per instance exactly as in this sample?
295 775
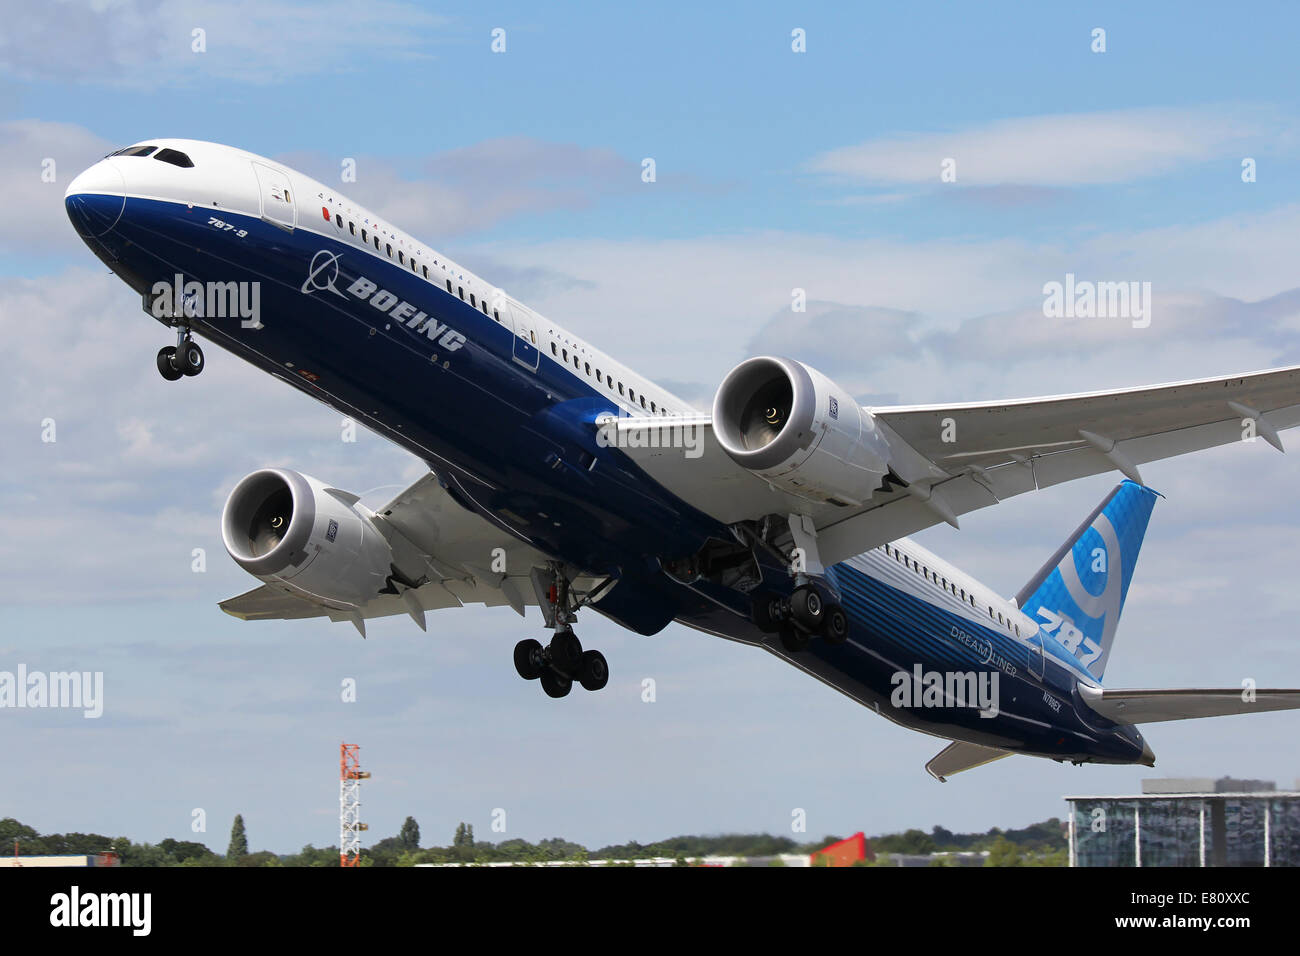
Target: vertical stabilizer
1077 596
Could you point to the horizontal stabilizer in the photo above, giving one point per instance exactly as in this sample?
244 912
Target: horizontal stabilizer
1150 706
959 756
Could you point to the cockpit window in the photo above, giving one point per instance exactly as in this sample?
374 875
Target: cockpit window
175 157
134 151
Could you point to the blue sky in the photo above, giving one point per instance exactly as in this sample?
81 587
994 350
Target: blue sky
775 170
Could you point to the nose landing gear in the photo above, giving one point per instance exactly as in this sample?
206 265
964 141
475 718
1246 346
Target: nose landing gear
184 358
562 661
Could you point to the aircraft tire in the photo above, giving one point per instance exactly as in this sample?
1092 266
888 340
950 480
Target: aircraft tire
594 673
167 363
556 685
527 655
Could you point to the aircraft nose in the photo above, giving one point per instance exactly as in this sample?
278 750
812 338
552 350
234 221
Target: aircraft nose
95 199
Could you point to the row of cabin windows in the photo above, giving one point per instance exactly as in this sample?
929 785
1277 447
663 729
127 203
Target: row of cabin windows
650 405
416 267
950 586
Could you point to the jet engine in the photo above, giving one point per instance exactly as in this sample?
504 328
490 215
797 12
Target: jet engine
294 532
798 430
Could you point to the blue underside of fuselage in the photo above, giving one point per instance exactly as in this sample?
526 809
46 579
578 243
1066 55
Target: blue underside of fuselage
516 446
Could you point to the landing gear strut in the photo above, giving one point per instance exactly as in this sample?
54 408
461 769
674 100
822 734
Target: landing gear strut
811 609
561 661
184 358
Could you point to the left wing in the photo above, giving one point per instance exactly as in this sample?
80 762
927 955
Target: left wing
997 450
428 530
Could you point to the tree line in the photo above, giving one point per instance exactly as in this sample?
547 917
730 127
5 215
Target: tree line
1038 844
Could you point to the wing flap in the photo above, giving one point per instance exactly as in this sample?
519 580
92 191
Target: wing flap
1152 706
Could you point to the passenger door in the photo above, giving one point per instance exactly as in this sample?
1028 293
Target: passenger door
525 350
1036 654
277 200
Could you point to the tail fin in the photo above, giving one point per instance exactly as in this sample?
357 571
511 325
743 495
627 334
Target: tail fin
1077 596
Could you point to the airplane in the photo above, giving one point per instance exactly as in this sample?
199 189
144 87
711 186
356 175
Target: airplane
561 479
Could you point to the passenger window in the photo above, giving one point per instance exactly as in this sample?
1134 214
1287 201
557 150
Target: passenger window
460 290
589 368
620 389
338 220
471 300
643 401
554 351
352 227
400 258
496 315
364 237
652 408
377 249
566 354
448 285
425 270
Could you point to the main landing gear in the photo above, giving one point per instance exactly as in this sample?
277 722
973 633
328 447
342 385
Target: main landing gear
562 660
184 358
811 610
807 613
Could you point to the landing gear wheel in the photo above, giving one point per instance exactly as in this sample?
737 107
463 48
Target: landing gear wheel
190 358
566 653
528 656
793 639
762 613
167 364
594 673
808 608
556 685
835 627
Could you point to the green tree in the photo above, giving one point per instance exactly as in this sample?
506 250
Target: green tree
1004 853
459 838
410 834
238 841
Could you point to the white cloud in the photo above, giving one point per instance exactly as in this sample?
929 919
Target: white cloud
147 44
34 215
1053 150
474 188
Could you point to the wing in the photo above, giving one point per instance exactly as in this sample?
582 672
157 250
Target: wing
997 450
428 530
1151 706
959 756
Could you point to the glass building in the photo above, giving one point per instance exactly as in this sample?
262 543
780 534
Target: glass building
1198 822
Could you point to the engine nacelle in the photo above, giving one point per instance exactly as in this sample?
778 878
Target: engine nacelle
293 531
798 430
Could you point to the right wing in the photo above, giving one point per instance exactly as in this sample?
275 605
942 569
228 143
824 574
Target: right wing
998 450
1151 706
